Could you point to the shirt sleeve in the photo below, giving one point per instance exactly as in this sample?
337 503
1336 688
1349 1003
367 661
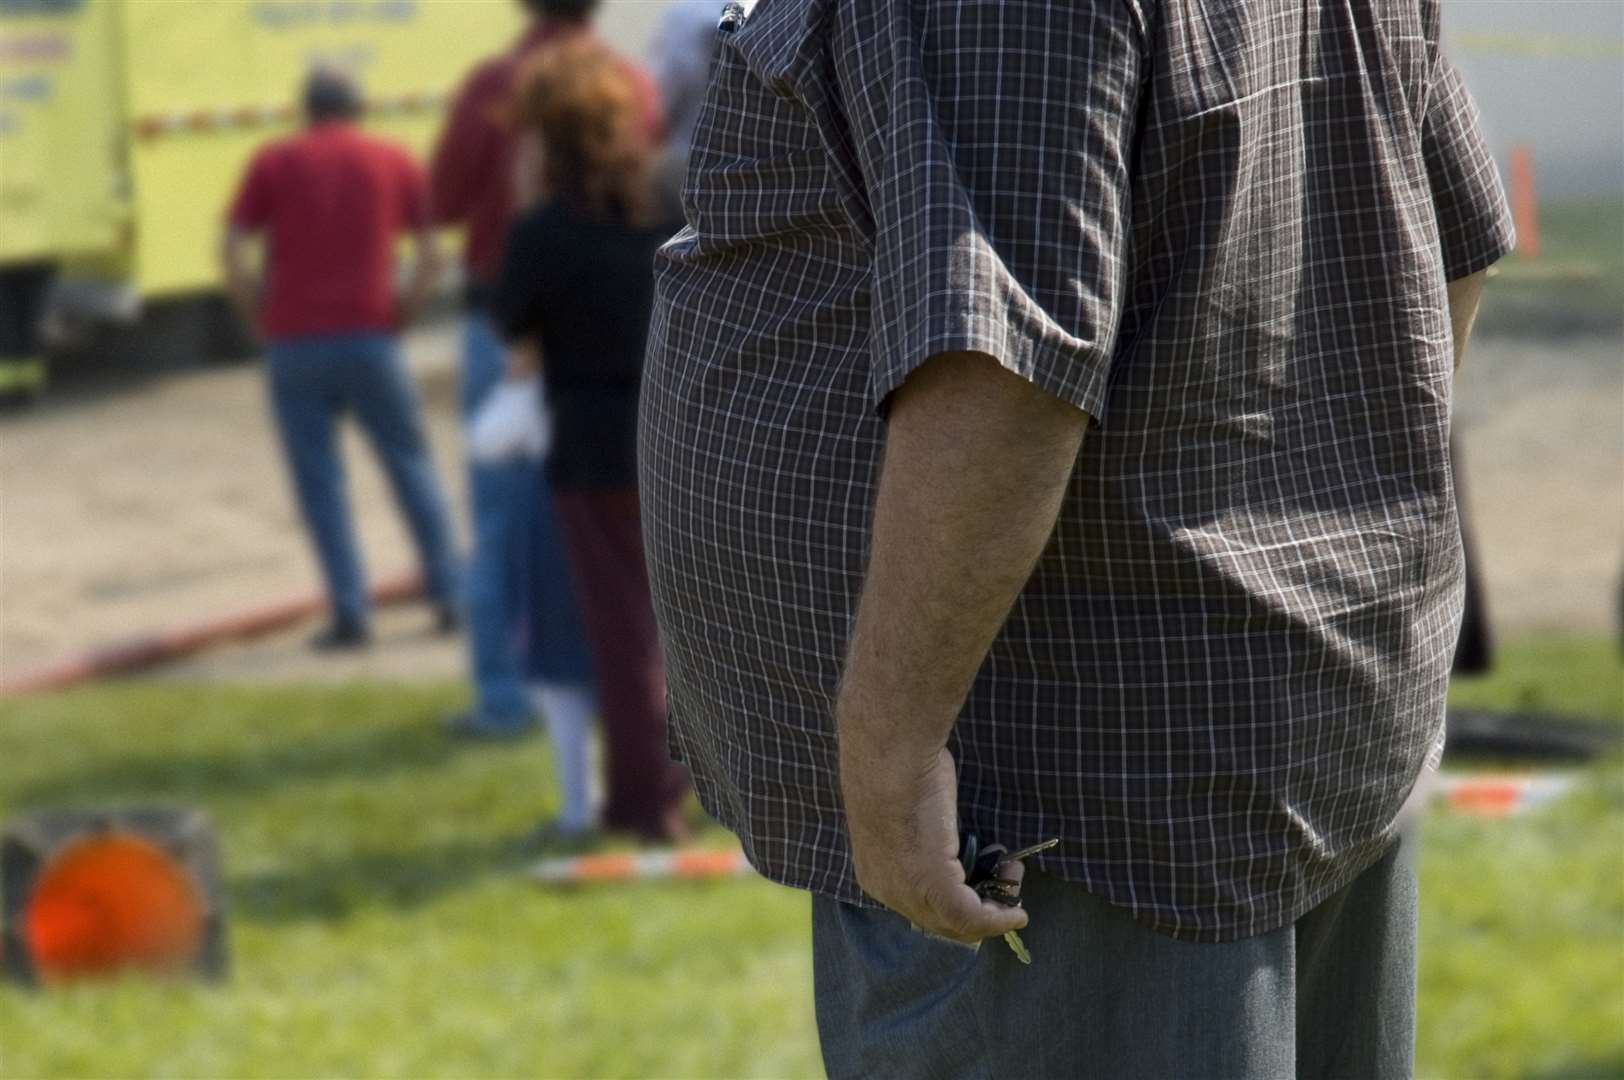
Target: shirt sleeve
515 305
251 209
995 152
468 149
1474 219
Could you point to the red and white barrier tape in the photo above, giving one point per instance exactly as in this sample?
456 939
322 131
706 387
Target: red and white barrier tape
151 650
1499 795
251 117
691 864
1483 794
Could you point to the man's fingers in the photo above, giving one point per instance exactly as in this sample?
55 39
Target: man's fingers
960 914
942 904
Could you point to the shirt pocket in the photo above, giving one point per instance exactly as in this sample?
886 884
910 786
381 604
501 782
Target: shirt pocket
761 164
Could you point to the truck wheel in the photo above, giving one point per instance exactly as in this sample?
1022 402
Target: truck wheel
173 335
22 305
22 381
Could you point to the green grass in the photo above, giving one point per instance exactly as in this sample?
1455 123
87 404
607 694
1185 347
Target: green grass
1575 285
1522 940
1558 676
381 925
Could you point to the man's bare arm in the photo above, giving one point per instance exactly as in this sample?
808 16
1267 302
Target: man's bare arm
242 284
976 465
1464 294
427 266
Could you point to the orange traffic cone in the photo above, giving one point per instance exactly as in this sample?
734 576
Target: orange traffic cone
109 903
90 894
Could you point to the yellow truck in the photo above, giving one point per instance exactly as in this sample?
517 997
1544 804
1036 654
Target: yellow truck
125 124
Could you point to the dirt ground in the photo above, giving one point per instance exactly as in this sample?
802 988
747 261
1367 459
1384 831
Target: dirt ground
130 505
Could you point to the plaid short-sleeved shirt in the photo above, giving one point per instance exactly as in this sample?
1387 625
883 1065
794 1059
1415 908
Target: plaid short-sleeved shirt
1222 229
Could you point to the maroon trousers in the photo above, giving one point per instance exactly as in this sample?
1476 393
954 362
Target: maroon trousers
603 536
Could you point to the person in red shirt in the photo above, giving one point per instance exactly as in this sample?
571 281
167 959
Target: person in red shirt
518 582
329 204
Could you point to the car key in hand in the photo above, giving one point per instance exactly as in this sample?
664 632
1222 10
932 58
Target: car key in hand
981 873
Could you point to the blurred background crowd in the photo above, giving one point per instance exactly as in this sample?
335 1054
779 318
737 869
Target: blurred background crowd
318 515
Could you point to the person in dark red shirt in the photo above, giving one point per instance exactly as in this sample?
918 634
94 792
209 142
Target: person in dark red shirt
518 583
330 204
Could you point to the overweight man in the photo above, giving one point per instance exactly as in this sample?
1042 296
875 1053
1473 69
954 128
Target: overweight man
1045 436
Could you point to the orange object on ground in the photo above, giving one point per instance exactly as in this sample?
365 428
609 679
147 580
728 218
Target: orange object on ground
1489 798
691 863
1524 204
1502 794
110 903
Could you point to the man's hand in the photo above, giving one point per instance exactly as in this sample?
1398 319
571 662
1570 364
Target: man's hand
427 266
903 819
242 283
524 359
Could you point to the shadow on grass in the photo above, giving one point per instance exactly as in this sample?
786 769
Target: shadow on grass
171 774
332 888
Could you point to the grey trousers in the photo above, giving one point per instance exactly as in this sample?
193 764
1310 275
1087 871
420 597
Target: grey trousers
1331 996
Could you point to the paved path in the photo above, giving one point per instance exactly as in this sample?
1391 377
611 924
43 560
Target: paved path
124 510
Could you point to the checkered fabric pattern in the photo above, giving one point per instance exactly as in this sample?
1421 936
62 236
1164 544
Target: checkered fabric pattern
1222 229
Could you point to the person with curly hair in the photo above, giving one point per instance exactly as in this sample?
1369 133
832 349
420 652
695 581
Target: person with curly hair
574 294
517 584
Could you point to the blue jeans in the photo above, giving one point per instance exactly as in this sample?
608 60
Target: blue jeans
522 620
1330 996
314 381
